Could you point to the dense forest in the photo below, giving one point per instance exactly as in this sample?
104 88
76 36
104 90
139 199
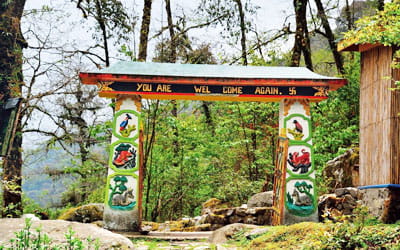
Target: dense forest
193 150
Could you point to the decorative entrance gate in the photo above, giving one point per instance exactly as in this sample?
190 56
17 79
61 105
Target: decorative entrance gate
129 82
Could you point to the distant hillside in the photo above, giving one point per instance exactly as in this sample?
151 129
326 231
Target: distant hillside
37 184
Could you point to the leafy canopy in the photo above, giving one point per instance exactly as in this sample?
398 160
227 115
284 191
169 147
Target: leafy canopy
383 28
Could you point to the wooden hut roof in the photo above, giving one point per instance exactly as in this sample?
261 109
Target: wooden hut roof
354 45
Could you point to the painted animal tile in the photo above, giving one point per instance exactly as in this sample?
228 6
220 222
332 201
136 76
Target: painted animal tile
122 192
297 128
300 198
124 156
299 159
126 125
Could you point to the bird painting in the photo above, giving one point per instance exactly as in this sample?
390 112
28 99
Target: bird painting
298 126
125 122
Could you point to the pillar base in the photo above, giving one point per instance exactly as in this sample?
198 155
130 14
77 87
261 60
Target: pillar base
293 219
121 220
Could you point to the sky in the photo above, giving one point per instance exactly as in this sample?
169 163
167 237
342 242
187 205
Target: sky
270 16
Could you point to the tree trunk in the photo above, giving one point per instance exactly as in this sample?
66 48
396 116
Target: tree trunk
242 31
207 114
102 25
144 30
349 18
11 45
331 38
172 57
302 41
381 4
175 142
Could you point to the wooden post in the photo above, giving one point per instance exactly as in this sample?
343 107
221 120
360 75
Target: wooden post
123 192
300 191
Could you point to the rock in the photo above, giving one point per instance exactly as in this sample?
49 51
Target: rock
152 226
56 230
340 192
30 216
347 190
198 228
223 211
342 202
215 219
263 199
353 192
250 219
214 227
263 220
200 219
98 223
382 203
251 211
240 211
342 171
225 233
145 229
349 201
86 213
235 219
213 204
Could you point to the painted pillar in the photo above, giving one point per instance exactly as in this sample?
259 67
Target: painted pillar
123 198
300 191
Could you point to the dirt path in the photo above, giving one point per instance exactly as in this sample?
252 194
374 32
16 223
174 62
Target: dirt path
175 240
150 244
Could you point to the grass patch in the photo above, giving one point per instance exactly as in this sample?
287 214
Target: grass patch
300 236
344 235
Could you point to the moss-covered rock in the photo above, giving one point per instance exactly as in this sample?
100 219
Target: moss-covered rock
199 228
86 213
151 226
210 205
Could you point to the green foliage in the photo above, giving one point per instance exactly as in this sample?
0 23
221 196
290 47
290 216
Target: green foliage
360 234
336 121
26 239
111 17
383 28
227 15
227 155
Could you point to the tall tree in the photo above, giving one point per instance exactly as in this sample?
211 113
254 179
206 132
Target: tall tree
173 49
330 37
242 30
144 30
111 20
381 4
301 40
234 16
11 44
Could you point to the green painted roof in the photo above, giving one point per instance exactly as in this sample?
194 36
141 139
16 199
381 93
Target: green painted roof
211 71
